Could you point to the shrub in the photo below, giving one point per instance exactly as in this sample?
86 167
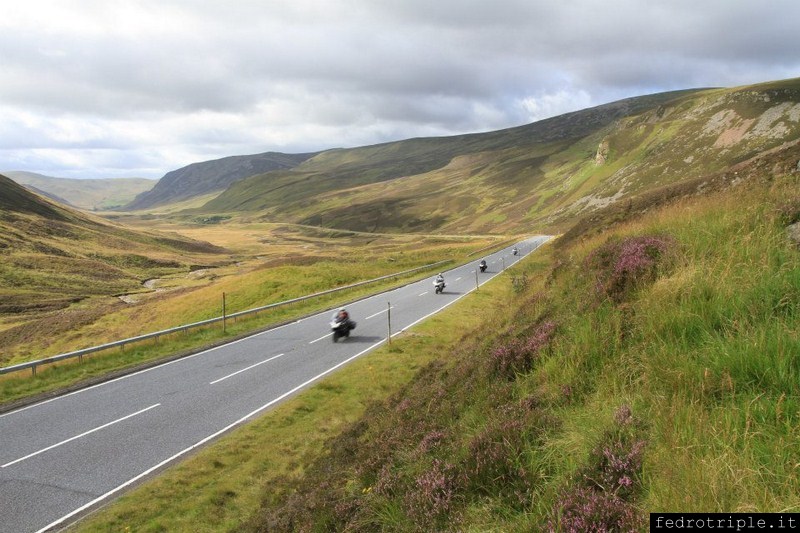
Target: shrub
518 355
494 464
622 266
433 497
583 510
600 498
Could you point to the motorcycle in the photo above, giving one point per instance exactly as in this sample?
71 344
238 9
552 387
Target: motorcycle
515 251
438 286
342 328
482 266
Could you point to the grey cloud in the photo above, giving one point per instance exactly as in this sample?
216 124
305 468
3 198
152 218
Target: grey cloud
179 79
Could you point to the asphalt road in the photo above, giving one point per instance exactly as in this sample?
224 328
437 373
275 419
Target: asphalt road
61 457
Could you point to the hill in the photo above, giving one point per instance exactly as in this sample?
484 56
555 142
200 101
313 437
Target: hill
207 177
655 353
545 175
644 362
54 257
334 175
89 194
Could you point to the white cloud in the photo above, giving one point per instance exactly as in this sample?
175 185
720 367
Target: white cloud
91 87
554 104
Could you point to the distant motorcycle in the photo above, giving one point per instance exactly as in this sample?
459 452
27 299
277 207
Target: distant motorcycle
515 251
438 286
482 266
342 328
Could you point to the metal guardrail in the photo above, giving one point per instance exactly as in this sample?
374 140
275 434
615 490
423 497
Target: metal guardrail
85 351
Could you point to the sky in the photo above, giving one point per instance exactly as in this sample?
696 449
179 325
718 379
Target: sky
137 88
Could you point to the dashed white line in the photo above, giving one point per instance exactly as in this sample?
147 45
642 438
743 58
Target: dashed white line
246 369
203 441
424 293
378 313
323 337
79 436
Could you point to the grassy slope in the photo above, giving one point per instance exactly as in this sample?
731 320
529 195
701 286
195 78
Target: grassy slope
539 176
55 258
674 391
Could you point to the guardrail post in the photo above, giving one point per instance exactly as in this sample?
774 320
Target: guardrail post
33 370
477 285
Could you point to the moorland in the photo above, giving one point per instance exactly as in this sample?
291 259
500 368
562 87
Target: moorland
647 360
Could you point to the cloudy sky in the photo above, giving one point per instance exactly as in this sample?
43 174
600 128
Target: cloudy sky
113 88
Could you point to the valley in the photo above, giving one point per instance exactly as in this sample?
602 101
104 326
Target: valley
658 329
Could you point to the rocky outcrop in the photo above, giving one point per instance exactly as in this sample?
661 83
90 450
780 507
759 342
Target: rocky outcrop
602 153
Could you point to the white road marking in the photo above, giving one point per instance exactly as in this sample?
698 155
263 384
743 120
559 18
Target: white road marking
245 369
203 441
240 421
126 376
323 337
424 293
79 436
378 313
459 279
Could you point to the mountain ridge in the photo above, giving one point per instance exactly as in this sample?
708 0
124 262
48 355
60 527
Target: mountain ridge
542 177
204 177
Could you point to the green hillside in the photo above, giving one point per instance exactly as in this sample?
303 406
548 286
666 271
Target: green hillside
295 193
673 388
542 176
90 194
645 362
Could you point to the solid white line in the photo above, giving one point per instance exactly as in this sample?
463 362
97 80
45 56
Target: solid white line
323 337
79 436
245 369
203 441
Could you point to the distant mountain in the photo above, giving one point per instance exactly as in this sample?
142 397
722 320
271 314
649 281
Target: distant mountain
90 194
200 179
544 175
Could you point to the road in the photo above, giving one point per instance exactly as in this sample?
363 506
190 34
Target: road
63 456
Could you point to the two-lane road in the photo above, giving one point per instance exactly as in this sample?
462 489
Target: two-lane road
65 455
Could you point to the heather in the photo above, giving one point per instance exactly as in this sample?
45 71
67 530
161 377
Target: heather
652 364
652 367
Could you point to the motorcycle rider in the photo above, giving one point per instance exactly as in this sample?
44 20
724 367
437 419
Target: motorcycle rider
515 251
482 265
341 315
439 283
